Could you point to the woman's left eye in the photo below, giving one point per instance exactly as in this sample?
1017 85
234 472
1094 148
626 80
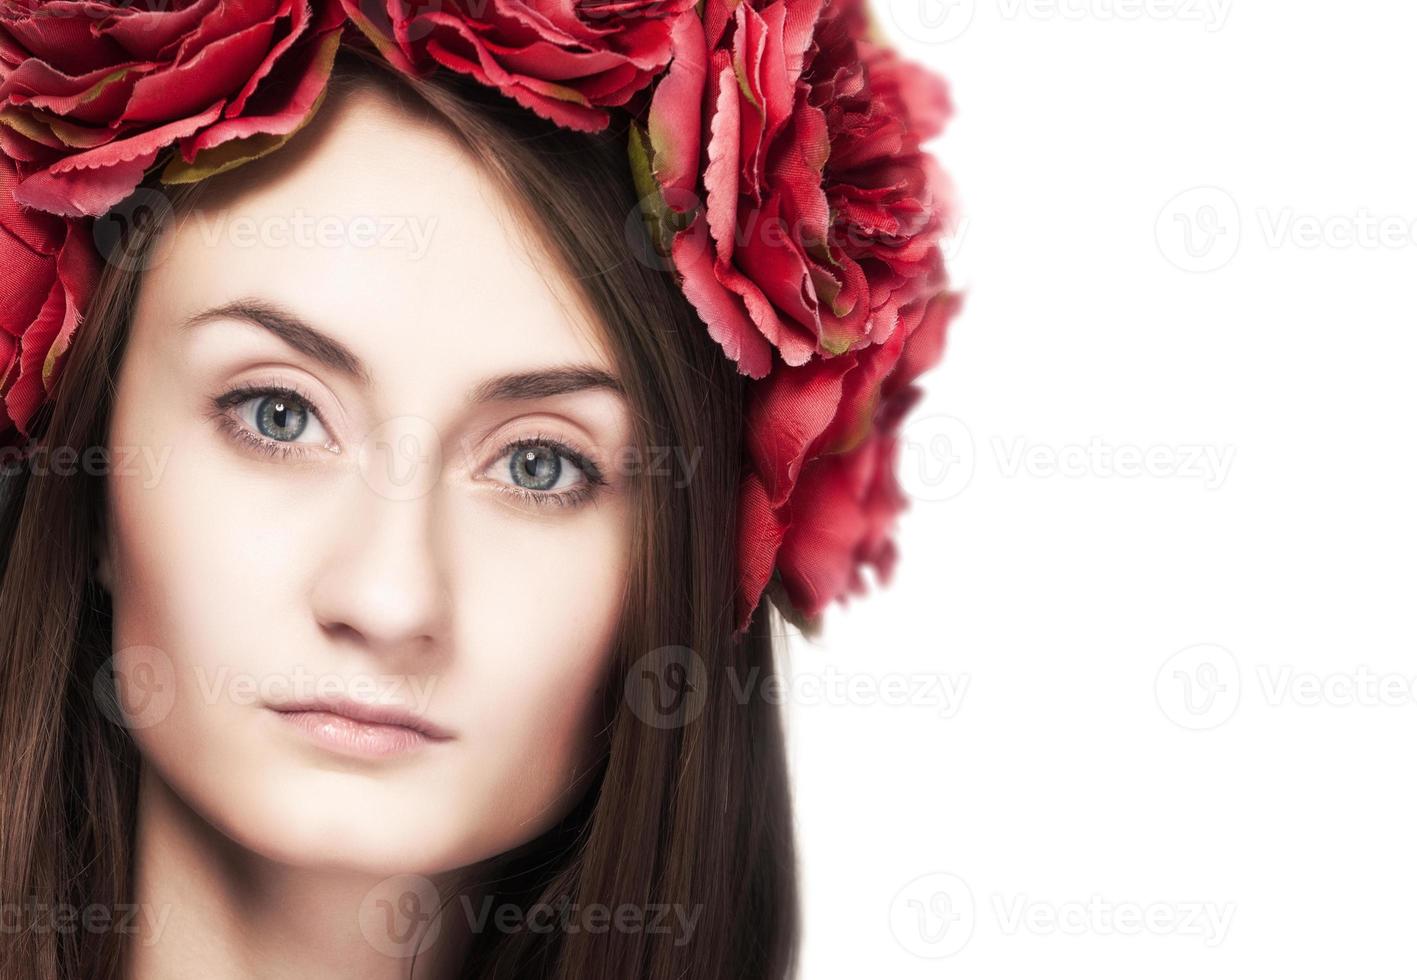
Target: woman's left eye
546 471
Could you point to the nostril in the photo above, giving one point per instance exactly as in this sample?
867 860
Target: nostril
341 631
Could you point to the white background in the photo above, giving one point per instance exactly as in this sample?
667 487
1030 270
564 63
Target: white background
1163 518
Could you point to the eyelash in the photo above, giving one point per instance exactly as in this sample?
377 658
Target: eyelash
224 415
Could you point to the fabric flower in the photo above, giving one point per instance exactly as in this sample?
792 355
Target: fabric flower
566 60
91 92
50 268
821 497
781 168
820 210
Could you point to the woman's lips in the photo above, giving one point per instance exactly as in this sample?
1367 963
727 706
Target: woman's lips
361 730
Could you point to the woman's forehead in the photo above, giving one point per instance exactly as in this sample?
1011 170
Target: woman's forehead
382 228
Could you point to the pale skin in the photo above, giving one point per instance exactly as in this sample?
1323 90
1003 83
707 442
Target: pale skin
383 551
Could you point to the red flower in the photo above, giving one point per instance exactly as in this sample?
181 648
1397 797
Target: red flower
781 168
50 271
91 92
565 60
821 210
821 496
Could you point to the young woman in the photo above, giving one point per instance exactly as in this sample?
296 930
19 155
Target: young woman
373 597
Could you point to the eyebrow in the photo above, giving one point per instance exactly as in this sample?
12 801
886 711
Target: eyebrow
522 385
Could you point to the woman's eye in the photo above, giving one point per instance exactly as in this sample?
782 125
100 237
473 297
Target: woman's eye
282 417
540 468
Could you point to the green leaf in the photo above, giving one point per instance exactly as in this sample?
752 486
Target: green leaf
660 219
26 124
219 159
103 83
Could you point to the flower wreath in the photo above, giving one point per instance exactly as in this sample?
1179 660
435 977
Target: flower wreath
776 146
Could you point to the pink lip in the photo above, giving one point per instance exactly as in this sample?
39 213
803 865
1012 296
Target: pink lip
364 730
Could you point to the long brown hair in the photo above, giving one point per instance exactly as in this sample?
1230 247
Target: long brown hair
690 810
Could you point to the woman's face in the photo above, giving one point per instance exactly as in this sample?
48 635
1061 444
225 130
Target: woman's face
385 440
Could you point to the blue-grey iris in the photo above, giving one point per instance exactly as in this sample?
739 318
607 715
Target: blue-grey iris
536 467
279 418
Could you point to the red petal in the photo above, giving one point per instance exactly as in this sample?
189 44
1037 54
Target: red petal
143 144
785 416
926 344
83 192
792 346
218 70
860 392
91 182
721 174
26 394
59 34
760 534
767 254
727 322
300 80
818 551
41 233
29 278
148 35
676 112
228 18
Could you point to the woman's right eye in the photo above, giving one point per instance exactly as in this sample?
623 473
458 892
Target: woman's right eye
272 419
282 417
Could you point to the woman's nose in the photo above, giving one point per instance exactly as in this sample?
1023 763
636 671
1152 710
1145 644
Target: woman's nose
382 581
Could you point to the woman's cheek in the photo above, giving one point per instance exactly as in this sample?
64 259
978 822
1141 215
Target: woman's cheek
195 610
543 617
